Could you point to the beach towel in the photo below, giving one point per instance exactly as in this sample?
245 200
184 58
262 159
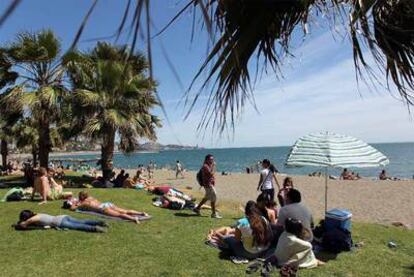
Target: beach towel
14 191
140 217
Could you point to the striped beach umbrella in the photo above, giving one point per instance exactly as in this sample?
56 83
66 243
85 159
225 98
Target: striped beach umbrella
328 149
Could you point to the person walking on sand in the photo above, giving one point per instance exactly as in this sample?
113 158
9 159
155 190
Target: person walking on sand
267 175
208 182
178 170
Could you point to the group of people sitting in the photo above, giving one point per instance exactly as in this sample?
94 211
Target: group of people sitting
283 236
124 180
349 175
383 176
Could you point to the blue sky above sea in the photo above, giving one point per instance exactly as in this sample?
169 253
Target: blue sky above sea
318 92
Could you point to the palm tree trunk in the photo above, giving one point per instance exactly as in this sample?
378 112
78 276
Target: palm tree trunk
4 152
34 155
44 143
107 154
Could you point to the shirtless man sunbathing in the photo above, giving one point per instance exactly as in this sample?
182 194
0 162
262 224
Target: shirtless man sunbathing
87 202
46 186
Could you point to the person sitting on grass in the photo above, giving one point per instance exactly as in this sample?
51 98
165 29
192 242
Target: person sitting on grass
282 194
56 190
89 203
128 182
252 240
292 248
140 179
294 208
28 219
46 186
267 207
215 236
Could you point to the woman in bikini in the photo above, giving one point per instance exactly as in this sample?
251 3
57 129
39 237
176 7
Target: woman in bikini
107 208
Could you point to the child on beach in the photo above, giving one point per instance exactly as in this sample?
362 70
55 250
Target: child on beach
292 249
267 207
282 194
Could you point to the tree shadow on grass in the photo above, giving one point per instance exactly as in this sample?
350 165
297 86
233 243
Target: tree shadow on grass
409 270
77 181
13 181
187 215
325 256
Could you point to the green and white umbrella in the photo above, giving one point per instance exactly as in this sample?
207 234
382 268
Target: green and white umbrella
328 149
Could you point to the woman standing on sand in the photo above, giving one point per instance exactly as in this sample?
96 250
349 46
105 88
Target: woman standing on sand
267 175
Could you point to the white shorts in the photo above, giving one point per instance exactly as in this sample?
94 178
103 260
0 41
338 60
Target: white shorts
210 193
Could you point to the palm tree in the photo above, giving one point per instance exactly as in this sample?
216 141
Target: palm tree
112 98
41 91
26 135
8 115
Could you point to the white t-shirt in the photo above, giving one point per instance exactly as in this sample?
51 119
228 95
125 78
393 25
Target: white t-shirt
292 250
267 179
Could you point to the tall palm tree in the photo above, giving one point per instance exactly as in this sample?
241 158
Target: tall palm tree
41 91
112 97
8 115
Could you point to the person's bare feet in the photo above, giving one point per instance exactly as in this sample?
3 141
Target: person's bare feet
43 202
320 263
137 221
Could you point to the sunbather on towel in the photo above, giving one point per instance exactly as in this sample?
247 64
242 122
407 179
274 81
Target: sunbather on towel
87 202
28 218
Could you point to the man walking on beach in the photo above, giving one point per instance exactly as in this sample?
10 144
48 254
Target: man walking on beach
178 170
208 182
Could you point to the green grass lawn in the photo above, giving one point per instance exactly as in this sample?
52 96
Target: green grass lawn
171 244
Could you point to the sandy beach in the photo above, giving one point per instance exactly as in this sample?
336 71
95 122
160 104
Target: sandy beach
369 200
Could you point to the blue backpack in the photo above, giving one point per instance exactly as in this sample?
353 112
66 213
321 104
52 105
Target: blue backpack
337 240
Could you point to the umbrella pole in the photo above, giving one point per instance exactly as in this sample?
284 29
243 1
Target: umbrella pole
326 189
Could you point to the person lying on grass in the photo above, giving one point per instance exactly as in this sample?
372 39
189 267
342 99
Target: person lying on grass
46 186
89 203
28 219
292 248
249 241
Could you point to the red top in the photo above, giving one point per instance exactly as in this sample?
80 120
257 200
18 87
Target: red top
208 175
162 189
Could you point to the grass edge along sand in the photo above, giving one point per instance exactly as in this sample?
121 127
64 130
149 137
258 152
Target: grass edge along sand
171 244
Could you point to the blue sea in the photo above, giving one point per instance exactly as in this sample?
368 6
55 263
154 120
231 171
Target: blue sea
401 156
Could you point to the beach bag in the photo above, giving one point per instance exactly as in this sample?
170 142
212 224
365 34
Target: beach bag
15 196
337 240
199 177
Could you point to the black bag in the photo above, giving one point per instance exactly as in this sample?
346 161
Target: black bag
199 177
337 240
15 196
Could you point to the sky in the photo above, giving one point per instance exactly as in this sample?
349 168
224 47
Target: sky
318 91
